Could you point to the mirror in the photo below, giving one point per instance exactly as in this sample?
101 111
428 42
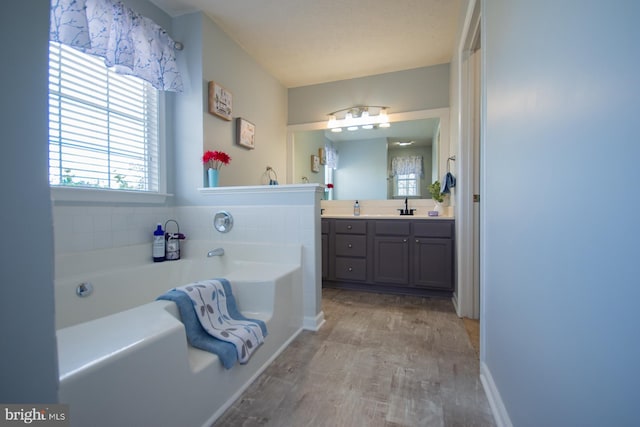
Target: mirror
366 157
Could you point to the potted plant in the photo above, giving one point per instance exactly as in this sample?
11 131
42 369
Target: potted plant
215 160
437 196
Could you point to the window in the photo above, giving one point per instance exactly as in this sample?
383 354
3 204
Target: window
103 126
407 185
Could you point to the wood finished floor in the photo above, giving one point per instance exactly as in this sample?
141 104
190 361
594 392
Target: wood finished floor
379 360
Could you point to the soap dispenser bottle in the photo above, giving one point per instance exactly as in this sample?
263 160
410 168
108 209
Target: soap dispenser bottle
158 244
356 209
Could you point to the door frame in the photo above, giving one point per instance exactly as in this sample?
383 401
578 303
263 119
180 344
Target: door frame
465 297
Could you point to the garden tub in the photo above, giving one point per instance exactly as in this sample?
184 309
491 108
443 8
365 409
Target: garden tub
123 356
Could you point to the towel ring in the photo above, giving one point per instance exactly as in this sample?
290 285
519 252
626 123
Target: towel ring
452 158
270 177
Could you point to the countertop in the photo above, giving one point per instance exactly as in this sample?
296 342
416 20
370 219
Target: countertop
385 216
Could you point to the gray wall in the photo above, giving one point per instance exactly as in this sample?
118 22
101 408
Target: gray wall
307 144
412 90
560 281
28 368
210 54
362 170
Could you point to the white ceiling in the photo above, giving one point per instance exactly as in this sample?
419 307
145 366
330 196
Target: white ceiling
304 42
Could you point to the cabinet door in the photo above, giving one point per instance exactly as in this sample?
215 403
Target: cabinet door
432 263
391 260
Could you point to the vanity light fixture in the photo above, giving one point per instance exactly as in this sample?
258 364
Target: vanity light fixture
359 117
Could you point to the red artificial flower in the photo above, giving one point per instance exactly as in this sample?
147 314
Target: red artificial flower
216 159
329 185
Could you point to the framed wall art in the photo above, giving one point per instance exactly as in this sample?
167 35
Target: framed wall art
323 156
220 101
315 163
245 133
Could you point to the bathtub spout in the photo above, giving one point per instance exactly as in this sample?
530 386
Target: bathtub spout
216 252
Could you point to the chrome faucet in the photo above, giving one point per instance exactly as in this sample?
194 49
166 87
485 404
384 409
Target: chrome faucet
216 252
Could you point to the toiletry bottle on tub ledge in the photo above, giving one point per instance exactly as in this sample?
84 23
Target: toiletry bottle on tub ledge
356 209
158 244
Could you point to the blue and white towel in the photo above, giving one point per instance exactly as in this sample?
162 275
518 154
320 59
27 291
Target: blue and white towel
217 312
448 182
197 336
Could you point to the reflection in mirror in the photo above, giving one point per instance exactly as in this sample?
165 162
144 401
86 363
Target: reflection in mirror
396 162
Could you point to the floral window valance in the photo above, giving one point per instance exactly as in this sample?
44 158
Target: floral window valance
129 42
407 165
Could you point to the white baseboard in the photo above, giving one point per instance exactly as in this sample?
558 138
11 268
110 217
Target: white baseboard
313 323
454 300
498 409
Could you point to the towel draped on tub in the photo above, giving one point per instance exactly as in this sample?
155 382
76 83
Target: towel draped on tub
213 323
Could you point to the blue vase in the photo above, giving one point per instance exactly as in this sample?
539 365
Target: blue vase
212 174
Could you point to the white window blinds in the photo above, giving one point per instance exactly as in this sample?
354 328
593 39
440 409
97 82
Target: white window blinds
103 126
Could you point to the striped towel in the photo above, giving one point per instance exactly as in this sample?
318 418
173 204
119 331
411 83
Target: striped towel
216 310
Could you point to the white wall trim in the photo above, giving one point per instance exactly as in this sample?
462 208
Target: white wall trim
105 195
313 323
454 301
261 189
500 414
464 189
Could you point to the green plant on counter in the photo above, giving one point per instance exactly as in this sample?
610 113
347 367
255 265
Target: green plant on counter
434 189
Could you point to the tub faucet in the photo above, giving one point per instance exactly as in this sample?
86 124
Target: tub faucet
216 252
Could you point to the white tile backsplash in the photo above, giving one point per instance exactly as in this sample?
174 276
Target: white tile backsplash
84 228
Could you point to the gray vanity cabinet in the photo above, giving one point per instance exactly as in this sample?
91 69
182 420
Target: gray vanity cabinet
408 256
433 255
350 250
391 252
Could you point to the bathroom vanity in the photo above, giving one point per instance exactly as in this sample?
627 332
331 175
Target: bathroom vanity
389 254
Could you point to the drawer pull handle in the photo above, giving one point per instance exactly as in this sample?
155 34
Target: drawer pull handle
350 269
417 241
349 245
404 240
349 227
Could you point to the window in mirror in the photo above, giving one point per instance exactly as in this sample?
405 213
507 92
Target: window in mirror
406 185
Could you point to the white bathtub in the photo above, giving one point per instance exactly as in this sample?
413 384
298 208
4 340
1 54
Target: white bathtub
124 358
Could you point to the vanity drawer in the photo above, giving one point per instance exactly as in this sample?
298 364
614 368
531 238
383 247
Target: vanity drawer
393 227
351 226
351 268
347 245
433 228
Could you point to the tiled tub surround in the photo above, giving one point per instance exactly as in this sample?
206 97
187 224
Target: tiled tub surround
85 228
262 214
122 342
